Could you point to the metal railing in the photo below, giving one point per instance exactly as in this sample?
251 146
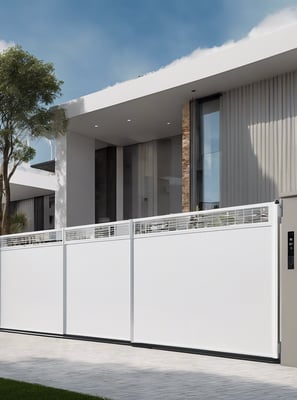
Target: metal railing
98 231
218 218
32 238
202 220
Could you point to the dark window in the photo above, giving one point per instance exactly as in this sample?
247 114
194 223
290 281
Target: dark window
39 213
205 180
105 184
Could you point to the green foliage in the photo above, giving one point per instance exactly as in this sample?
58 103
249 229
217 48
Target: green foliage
28 87
13 390
18 222
22 151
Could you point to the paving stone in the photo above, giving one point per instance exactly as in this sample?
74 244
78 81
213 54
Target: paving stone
121 372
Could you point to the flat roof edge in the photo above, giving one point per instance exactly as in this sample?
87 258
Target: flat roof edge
211 62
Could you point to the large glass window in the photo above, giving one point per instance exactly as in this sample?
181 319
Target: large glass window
140 166
152 178
169 175
206 154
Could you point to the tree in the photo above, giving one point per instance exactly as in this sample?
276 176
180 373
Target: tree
28 88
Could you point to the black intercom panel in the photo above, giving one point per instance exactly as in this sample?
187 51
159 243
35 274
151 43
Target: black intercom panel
291 247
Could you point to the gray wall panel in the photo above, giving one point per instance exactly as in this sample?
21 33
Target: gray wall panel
259 144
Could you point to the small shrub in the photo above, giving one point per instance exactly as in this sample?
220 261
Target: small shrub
18 222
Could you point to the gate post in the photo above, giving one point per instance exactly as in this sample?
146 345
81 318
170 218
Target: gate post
288 281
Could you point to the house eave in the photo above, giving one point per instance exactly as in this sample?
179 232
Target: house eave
149 107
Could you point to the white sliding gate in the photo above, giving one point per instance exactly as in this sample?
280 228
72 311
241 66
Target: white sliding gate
204 280
98 280
32 282
208 281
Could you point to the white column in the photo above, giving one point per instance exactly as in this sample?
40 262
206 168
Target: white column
80 180
120 184
75 171
60 194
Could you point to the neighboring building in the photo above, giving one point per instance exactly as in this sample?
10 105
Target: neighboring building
210 131
33 194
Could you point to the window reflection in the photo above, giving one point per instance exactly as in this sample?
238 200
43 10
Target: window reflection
152 178
206 157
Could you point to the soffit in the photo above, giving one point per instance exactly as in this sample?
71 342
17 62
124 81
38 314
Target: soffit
158 115
21 192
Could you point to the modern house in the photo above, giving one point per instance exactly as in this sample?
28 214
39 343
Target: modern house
213 130
217 132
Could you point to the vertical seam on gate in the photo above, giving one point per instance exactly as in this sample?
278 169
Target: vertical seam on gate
278 233
131 227
1 299
275 210
64 284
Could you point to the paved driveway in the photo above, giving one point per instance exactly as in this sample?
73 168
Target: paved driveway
126 373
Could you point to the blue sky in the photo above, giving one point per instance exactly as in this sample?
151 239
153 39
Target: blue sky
96 43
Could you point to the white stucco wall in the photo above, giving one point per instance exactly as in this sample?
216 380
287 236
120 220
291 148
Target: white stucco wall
80 180
35 178
75 169
60 195
120 184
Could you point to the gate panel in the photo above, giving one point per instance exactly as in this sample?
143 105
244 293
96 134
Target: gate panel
211 287
32 282
98 281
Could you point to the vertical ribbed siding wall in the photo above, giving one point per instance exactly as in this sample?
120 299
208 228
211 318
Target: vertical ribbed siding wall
259 141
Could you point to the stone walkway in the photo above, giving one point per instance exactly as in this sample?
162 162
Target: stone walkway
122 372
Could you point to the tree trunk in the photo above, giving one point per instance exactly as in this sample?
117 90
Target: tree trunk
5 223
5 211
1 196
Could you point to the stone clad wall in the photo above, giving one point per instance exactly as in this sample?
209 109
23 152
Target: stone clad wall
186 162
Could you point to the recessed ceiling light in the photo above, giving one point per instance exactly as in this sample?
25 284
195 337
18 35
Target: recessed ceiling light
96 126
129 120
168 123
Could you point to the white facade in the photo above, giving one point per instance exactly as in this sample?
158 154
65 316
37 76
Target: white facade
256 81
133 151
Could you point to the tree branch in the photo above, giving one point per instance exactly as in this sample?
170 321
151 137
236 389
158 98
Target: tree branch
13 170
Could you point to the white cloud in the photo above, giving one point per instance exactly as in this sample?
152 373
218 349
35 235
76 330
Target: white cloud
271 23
5 45
274 22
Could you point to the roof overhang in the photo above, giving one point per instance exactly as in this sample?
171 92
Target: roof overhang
150 107
21 192
28 182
